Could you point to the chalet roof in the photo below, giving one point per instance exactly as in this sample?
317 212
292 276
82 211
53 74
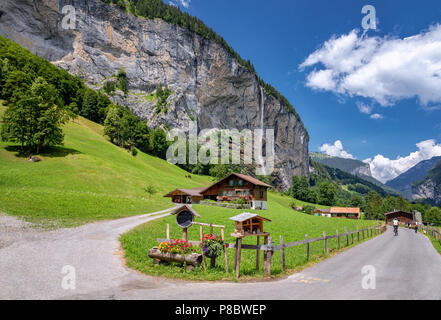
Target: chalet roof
397 211
188 192
245 216
323 210
344 210
242 176
185 207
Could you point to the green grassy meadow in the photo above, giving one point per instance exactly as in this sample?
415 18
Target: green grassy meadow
292 225
85 180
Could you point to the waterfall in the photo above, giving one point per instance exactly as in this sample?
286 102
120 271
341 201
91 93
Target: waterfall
262 109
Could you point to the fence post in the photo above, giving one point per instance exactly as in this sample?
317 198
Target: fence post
282 250
308 254
347 237
268 255
225 250
238 256
338 237
168 232
258 254
352 237
326 242
358 234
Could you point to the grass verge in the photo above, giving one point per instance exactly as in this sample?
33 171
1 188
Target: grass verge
291 224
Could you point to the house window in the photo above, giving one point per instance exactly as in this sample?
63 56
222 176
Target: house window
261 194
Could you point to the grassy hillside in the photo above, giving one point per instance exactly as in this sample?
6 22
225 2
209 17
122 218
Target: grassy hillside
291 224
87 179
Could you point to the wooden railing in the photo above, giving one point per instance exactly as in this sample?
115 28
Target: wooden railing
435 233
269 248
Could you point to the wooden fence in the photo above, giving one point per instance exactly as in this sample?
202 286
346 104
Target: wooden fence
435 233
269 248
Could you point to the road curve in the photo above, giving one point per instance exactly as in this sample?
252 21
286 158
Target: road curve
406 267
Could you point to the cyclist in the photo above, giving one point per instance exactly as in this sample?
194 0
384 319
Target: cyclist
395 221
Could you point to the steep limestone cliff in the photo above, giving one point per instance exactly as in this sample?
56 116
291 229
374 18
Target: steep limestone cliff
207 83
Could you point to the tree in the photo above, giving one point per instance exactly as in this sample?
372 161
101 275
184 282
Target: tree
389 204
299 187
327 193
90 105
112 125
35 120
16 81
356 201
402 204
433 216
374 206
150 190
160 143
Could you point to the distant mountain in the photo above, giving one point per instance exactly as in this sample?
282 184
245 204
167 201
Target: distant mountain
430 187
404 181
349 181
352 166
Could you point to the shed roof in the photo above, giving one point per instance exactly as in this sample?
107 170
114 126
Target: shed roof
247 215
345 210
185 207
188 192
397 211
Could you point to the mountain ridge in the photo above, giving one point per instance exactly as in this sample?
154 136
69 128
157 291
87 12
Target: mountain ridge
417 173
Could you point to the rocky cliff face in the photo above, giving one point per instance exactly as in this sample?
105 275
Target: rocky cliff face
207 83
428 189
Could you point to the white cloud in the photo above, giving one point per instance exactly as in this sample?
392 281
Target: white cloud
384 69
377 116
183 3
336 150
364 108
385 169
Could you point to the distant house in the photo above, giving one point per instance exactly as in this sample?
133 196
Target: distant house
322 212
186 195
337 212
403 216
233 187
350 213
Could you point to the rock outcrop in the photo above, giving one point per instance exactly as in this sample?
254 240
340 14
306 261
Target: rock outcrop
428 189
207 83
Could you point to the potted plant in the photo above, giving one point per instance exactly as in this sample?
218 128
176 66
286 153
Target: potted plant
212 245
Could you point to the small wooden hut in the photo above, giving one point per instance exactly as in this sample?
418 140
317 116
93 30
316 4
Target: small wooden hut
248 224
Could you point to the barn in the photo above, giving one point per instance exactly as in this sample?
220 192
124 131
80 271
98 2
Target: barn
402 216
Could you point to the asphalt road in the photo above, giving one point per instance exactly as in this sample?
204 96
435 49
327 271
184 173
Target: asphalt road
31 262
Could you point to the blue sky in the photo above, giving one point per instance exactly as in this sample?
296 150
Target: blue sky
279 35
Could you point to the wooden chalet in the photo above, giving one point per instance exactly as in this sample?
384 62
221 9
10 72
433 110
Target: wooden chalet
186 195
337 212
233 187
403 217
350 213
